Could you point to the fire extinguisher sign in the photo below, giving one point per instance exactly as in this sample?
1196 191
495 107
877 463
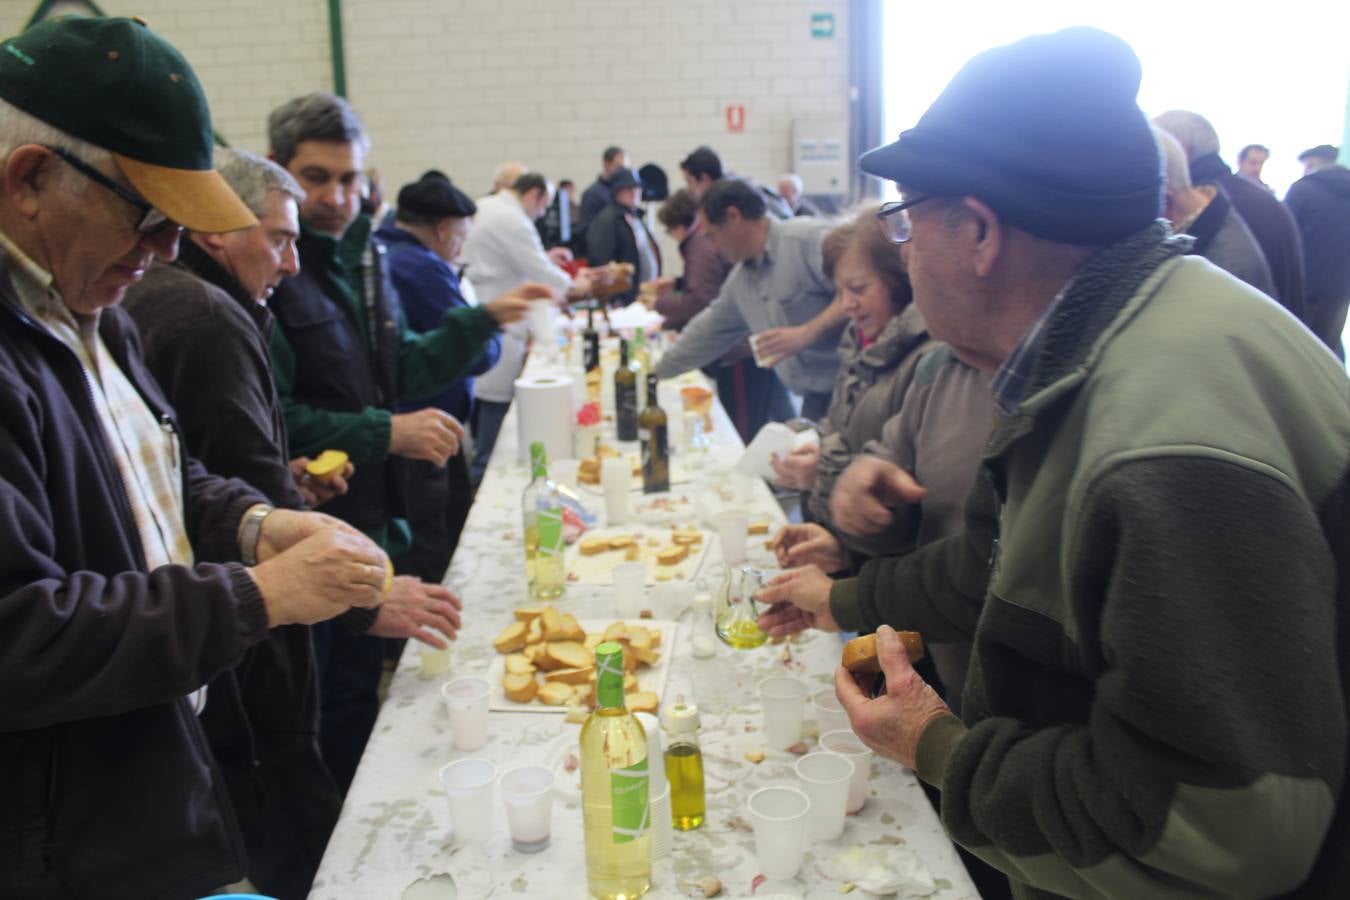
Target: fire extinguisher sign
735 117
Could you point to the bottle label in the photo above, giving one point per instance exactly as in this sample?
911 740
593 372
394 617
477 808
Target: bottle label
550 532
628 789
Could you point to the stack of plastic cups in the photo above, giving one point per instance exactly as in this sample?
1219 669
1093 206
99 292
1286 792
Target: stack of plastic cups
658 788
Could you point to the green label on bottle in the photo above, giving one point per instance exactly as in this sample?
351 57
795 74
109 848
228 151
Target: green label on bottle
629 797
550 532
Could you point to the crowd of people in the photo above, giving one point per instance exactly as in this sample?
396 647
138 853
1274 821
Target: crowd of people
1081 423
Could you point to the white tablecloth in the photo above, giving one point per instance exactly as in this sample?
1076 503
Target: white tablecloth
394 829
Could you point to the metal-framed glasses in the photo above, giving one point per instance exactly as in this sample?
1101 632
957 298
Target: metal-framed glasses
894 221
150 219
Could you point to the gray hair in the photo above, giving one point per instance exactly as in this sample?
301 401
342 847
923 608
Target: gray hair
792 178
1175 167
1192 130
252 177
508 173
18 128
320 116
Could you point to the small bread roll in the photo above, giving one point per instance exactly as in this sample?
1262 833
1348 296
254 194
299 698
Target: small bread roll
570 676
593 546
642 701
519 664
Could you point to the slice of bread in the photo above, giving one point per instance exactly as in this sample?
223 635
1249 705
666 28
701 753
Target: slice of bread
520 688
511 639
860 654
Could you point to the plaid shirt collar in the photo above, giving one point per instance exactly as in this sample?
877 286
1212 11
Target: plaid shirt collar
1010 382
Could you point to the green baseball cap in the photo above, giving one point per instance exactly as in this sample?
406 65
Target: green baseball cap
116 84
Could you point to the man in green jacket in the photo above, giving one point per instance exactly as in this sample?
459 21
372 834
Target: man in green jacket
343 358
1156 563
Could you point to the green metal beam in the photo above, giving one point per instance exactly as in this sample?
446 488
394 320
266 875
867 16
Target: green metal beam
335 42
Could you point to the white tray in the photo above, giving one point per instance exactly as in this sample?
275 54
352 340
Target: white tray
598 568
650 678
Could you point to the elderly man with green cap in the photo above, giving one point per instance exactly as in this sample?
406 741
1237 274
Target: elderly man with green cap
1155 569
130 577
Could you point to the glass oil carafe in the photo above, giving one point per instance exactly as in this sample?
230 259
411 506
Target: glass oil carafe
737 609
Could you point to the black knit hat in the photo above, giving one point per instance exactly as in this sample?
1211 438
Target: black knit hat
623 179
433 197
1047 132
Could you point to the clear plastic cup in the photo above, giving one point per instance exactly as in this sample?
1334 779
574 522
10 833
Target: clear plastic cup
564 471
527 792
434 662
846 743
778 815
468 792
731 532
616 480
466 700
630 586
784 701
825 778
830 715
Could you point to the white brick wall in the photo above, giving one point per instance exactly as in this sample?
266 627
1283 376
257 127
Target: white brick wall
460 85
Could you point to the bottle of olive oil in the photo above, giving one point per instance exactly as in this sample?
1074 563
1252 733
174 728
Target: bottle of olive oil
614 807
545 569
642 363
684 764
653 433
625 397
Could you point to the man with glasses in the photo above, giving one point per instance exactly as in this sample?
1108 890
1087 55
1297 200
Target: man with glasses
777 292
1155 567
204 323
121 586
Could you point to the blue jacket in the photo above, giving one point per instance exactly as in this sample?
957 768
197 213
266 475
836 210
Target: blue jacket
427 286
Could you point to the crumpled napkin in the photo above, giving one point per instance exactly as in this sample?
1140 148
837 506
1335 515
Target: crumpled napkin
885 870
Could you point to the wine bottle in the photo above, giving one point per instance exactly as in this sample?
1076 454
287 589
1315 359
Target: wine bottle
614 809
642 363
591 341
545 569
625 397
653 433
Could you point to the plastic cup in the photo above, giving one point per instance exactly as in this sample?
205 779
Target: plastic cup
778 815
468 792
616 479
830 715
672 598
846 743
760 359
630 584
541 327
742 488
466 700
527 792
825 778
564 471
731 532
784 701
434 662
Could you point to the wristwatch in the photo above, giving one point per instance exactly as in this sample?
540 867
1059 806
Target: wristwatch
250 529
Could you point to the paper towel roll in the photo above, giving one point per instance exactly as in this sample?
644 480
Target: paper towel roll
544 413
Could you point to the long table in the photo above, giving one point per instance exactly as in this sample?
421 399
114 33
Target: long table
394 832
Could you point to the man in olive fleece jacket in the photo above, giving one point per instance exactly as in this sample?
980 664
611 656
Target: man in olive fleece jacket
1156 564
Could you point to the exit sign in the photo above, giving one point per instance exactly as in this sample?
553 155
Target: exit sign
822 25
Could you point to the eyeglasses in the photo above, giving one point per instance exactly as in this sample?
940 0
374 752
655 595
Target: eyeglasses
150 221
894 225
